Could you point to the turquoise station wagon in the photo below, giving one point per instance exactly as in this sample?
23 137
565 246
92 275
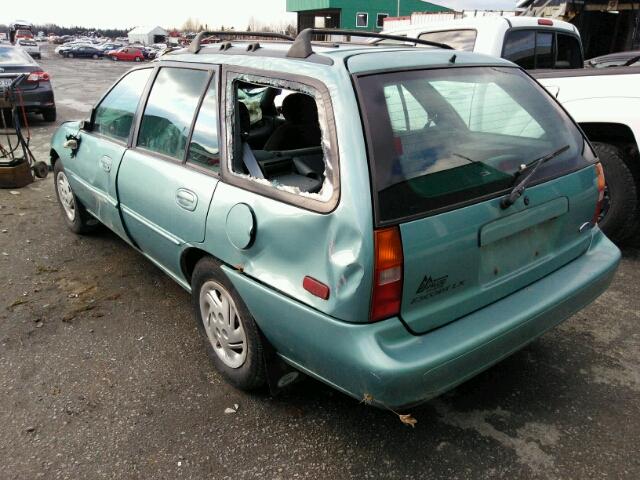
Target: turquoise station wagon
387 219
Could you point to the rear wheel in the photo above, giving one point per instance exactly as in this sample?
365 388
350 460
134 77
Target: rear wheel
234 342
76 217
619 218
50 114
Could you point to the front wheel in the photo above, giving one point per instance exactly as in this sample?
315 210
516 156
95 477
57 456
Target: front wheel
76 217
619 216
234 342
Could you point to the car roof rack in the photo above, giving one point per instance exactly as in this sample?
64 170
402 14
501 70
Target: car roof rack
196 43
302 47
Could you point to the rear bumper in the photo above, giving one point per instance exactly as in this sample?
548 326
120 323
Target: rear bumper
398 369
38 99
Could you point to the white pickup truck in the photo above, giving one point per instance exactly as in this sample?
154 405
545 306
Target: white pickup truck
604 102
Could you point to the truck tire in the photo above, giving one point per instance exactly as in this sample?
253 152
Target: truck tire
620 219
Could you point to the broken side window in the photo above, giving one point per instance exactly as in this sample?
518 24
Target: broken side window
278 137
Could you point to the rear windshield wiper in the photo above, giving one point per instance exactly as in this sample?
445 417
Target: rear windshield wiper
519 189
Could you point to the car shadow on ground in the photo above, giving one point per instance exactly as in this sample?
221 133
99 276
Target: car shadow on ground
529 380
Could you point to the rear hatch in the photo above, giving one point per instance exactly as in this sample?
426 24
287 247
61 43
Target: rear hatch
446 146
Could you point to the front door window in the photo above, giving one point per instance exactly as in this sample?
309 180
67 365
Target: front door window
114 116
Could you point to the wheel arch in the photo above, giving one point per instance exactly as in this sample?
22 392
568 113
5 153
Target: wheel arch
54 157
617 134
190 258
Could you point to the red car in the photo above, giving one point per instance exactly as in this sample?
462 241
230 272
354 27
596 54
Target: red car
127 54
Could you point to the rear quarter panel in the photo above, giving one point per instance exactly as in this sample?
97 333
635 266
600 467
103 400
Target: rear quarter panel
291 242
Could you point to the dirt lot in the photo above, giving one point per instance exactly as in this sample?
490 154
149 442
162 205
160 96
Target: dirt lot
103 373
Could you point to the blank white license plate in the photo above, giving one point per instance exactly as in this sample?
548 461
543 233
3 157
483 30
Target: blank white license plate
5 82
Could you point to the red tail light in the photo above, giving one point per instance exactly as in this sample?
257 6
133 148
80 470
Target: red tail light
38 77
545 21
387 274
601 184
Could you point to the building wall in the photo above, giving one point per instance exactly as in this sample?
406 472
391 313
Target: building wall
350 8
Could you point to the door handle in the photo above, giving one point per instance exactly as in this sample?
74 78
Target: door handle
105 163
186 199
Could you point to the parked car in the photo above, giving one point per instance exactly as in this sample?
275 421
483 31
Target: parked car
29 46
619 59
605 103
107 47
147 52
127 54
36 91
62 49
84 52
407 219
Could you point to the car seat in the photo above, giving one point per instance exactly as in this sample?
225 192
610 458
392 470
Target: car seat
301 128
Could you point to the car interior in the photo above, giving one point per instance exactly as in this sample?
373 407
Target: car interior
279 135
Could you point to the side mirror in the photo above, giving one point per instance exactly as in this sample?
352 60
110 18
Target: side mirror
71 144
87 125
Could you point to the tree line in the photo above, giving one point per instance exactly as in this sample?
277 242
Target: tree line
52 28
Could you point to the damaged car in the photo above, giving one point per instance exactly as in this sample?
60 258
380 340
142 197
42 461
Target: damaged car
389 220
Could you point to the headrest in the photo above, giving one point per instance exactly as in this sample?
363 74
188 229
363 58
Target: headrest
299 108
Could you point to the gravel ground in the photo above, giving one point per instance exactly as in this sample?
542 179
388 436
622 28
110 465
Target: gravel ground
103 373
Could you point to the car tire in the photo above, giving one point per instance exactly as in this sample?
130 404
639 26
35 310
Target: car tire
620 221
114 58
234 344
75 215
137 59
95 56
50 115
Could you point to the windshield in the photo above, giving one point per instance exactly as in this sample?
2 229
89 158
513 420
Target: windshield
443 137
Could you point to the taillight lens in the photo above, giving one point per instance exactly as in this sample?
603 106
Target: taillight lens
38 77
387 278
601 185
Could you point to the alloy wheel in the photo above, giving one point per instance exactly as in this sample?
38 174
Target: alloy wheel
223 324
66 196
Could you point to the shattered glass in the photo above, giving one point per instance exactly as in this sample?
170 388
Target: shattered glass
327 190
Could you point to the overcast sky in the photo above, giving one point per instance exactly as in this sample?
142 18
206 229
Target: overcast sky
130 13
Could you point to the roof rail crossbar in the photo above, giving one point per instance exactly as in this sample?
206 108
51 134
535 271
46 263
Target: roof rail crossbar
196 43
301 47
